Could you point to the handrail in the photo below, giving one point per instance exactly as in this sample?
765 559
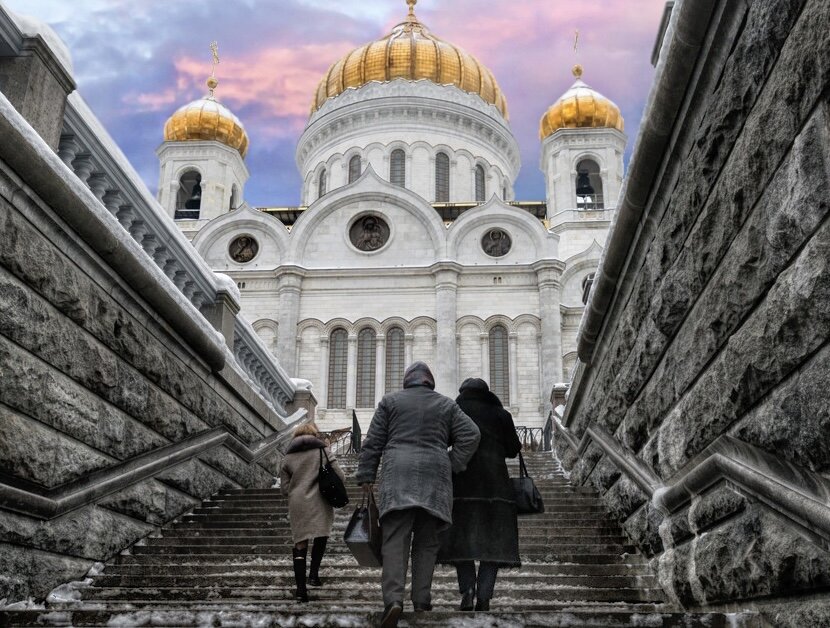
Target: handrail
55 502
797 494
690 21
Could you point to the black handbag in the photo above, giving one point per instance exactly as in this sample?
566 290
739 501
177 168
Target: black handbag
528 498
363 533
331 486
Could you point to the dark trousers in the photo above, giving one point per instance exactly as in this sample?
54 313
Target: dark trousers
410 531
483 584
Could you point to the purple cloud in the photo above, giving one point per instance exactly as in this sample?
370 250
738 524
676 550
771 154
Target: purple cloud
137 62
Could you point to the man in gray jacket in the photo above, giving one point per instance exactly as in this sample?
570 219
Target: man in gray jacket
412 430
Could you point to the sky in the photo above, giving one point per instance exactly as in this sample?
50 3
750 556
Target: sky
137 61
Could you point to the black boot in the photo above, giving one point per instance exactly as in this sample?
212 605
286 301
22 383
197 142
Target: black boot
301 594
483 605
317 551
467 599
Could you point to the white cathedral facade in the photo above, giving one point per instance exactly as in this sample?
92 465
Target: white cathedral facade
409 243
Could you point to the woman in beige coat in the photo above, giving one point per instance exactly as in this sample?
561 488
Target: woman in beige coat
310 515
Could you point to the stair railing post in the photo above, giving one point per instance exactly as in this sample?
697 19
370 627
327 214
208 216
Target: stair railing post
357 437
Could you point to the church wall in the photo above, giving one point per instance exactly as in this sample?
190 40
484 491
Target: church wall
528 401
470 352
328 244
709 375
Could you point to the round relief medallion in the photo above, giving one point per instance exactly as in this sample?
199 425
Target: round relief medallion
369 233
243 249
496 243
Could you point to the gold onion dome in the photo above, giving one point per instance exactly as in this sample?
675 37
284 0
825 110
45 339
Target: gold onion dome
579 108
206 119
412 53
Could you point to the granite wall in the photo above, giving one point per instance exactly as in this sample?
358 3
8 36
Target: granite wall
111 424
701 407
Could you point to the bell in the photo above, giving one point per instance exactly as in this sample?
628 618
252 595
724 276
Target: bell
583 184
195 200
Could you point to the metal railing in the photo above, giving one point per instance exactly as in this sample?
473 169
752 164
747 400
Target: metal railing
536 438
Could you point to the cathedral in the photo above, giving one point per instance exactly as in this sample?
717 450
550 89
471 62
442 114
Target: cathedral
409 243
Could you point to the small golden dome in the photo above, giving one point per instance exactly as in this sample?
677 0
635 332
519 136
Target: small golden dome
580 107
207 119
410 52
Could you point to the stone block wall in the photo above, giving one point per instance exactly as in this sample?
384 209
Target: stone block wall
702 412
95 387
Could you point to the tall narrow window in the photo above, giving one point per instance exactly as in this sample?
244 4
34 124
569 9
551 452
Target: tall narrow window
354 168
442 178
480 184
338 363
366 361
397 168
321 184
500 364
589 185
189 197
394 359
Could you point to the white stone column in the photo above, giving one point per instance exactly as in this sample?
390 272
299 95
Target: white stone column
351 372
513 368
380 367
445 368
290 284
548 273
484 338
323 392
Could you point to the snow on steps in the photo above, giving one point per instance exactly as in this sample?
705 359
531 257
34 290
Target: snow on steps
228 564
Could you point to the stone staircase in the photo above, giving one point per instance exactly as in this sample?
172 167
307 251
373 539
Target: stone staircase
228 563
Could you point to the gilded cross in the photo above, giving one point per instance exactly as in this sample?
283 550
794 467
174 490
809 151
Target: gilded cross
214 49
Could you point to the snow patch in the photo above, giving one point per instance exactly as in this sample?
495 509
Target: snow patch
68 593
23 605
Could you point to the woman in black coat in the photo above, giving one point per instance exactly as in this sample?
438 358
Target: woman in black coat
484 524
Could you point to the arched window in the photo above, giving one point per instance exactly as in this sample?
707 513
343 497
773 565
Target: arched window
189 196
366 360
442 178
480 184
500 364
321 184
394 359
234 202
588 185
397 168
354 168
338 363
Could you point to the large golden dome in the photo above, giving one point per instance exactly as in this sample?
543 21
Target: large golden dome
410 52
580 107
207 119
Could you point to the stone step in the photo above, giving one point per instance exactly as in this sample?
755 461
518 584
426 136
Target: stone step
555 616
260 535
136 565
370 592
340 578
551 520
270 545
260 510
208 555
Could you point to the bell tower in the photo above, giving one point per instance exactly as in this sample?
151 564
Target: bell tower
202 160
582 150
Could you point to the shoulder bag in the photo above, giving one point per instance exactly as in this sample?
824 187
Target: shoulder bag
331 486
528 498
